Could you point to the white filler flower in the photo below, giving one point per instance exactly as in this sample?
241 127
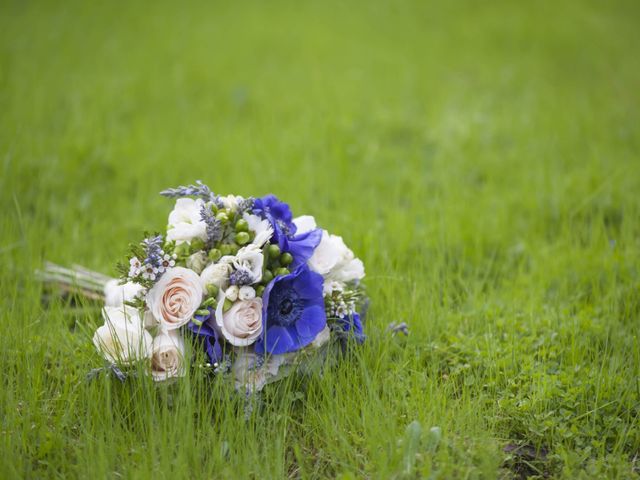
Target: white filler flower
185 222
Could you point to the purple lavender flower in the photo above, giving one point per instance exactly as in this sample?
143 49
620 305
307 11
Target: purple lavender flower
293 312
199 190
208 335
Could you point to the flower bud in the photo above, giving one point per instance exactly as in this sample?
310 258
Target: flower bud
182 250
242 225
197 244
212 290
214 255
232 293
242 238
274 251
286 259
197 262
246 293
223 217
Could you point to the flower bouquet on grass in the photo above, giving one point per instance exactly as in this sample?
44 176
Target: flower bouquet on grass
260 292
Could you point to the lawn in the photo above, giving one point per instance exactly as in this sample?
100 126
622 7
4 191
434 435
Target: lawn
483 158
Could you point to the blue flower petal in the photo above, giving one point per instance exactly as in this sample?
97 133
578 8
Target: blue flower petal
311 323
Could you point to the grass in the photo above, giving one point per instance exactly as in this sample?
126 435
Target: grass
481 157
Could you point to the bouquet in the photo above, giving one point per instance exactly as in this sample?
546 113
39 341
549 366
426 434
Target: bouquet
259 291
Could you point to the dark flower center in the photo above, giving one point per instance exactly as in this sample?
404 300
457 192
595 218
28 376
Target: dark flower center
285 307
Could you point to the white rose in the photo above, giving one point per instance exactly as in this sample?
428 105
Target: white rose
216 274
185 222
115 294
250 258
167 360
334 260
175 297
304 224
261 227
122 338
348 271
241 325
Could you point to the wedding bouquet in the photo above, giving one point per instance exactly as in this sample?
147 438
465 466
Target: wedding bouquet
259 291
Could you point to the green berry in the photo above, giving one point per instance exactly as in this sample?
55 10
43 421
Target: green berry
286 259
242 225
182 250
259 290
223 217
212 290
282 271
214 254
274 251
225 249
242 238
234 248
197 244
267 276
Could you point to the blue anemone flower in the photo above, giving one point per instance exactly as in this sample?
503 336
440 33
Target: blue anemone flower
279 214
352 325
293 312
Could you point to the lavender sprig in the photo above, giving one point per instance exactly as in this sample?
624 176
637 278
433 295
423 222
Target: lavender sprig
153 250
199 190
214 226
245 205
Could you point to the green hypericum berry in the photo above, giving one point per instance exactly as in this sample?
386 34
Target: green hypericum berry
242 225
242 238
197 244
267 276
227 305
274 251
214 254
223 217
182 250
282 271
234 248
212 290
225 249
286 259
259 290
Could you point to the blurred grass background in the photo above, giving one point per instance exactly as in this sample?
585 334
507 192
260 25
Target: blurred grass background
481 157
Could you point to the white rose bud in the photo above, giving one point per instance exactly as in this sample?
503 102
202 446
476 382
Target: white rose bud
122 338
241 325
246 293
116 294
175 297
197 261
167 360
185 221
232 293
216 274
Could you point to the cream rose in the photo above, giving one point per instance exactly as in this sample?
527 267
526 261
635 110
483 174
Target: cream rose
175 297
167 359
185 222
241 325
122 338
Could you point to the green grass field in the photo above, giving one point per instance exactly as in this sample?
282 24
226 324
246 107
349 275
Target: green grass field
483 158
